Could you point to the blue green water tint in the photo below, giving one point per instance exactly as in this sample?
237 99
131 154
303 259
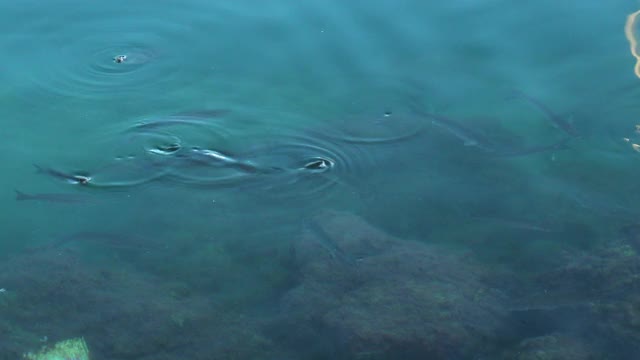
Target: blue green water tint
320 179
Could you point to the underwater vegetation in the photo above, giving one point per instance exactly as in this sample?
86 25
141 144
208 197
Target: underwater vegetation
384 298
72 349
295 278
352 291
319 180
333 286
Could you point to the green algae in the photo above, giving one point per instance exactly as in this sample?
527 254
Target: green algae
72 349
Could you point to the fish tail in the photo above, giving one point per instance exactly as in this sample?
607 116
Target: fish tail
515 94
39 169
563 144
20 195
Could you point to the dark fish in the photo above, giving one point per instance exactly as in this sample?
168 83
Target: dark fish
165 149
319 164
515 223
105 238
120 59
70 178
560 122
473 138
216 158
631 233
468 136
560 145
329 244
156 124
379 140
183 118
205 113
55 198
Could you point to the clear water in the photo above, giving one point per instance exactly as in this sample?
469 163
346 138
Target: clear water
217 148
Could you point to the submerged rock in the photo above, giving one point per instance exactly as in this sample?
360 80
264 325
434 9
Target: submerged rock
122 313
594 297
74 349
552 347
368 295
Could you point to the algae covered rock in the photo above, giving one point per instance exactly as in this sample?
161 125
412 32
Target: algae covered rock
121 313
552 347
369 295
73 349
595 297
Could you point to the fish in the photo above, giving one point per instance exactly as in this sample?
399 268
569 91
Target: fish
157 124
80 179
513 223
213 157
328 243
182 118
319 164
474 138
631 234
468 136
557 120
111 240
560 145
205 113
379 140
54 198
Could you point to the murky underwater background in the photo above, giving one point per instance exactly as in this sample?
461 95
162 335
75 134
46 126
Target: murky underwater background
320 179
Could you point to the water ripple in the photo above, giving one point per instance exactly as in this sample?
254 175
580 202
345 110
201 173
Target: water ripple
80 61
269 159
310 163
383 128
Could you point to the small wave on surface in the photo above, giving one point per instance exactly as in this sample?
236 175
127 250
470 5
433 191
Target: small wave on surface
81 57
307 163
385 127
212 149
142 150
90 71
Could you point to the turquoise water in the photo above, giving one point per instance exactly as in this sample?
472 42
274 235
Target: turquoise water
320 179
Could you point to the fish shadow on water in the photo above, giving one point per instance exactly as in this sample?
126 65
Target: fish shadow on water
59 198
472 137
132 244
80 178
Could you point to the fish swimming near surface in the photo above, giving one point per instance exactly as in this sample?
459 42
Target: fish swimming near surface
81 179
468 136
216 158
319 164
330 245
556 119
53 198
560 145
471 137
189 118
161 123
513 223
111 240
205 113
631 234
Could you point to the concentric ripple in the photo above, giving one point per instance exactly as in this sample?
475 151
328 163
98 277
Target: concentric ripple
89 70
164 147
271 160
383 128
176 134
138 154
80 58
127 172
306 164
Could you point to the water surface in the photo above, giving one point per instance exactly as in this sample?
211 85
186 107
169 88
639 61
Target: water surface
242 150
